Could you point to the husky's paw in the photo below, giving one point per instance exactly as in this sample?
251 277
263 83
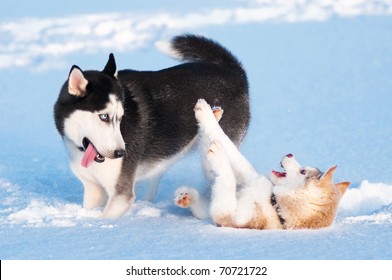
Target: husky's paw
183 199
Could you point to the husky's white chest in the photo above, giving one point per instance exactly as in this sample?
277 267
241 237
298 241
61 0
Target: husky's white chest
105 174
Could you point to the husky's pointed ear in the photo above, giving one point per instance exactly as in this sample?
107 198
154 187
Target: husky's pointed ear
342 187
110 67
329 174
77 83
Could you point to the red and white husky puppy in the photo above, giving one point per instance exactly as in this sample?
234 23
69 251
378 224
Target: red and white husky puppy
298 198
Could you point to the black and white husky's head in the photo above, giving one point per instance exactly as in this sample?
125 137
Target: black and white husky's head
88 113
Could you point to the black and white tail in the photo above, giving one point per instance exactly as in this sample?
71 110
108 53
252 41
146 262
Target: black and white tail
194 48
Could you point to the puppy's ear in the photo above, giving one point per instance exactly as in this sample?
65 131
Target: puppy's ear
329 174
342 187
77 83
110 67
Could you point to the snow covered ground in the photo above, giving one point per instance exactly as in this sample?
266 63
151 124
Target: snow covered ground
321 88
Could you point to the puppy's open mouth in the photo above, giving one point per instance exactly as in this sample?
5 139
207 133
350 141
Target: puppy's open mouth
90 154
279 174
283 173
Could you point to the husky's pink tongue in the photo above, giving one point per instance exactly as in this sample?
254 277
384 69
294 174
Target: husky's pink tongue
89 156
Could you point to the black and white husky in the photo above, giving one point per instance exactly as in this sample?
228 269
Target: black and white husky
119 127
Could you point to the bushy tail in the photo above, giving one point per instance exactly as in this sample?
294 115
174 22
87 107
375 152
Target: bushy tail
195 48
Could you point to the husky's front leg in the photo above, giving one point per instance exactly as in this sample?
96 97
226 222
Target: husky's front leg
117 205
94 195
223 193
211 129
122 197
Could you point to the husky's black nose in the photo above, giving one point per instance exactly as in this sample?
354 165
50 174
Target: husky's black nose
119 153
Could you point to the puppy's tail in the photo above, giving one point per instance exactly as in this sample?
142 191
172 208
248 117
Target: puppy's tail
194 48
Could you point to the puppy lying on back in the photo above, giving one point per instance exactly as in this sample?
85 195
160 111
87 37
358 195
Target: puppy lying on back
298 198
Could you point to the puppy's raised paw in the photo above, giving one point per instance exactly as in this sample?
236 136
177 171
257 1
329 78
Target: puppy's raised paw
202 105
183 200
218 112
203 111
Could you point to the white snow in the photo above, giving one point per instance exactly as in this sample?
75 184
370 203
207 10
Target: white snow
366 199
41 214
368 202
53 37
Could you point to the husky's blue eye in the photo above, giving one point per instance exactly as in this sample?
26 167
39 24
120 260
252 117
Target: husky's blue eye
104 117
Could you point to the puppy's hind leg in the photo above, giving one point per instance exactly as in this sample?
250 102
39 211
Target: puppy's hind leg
210 129
223 192
187 197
